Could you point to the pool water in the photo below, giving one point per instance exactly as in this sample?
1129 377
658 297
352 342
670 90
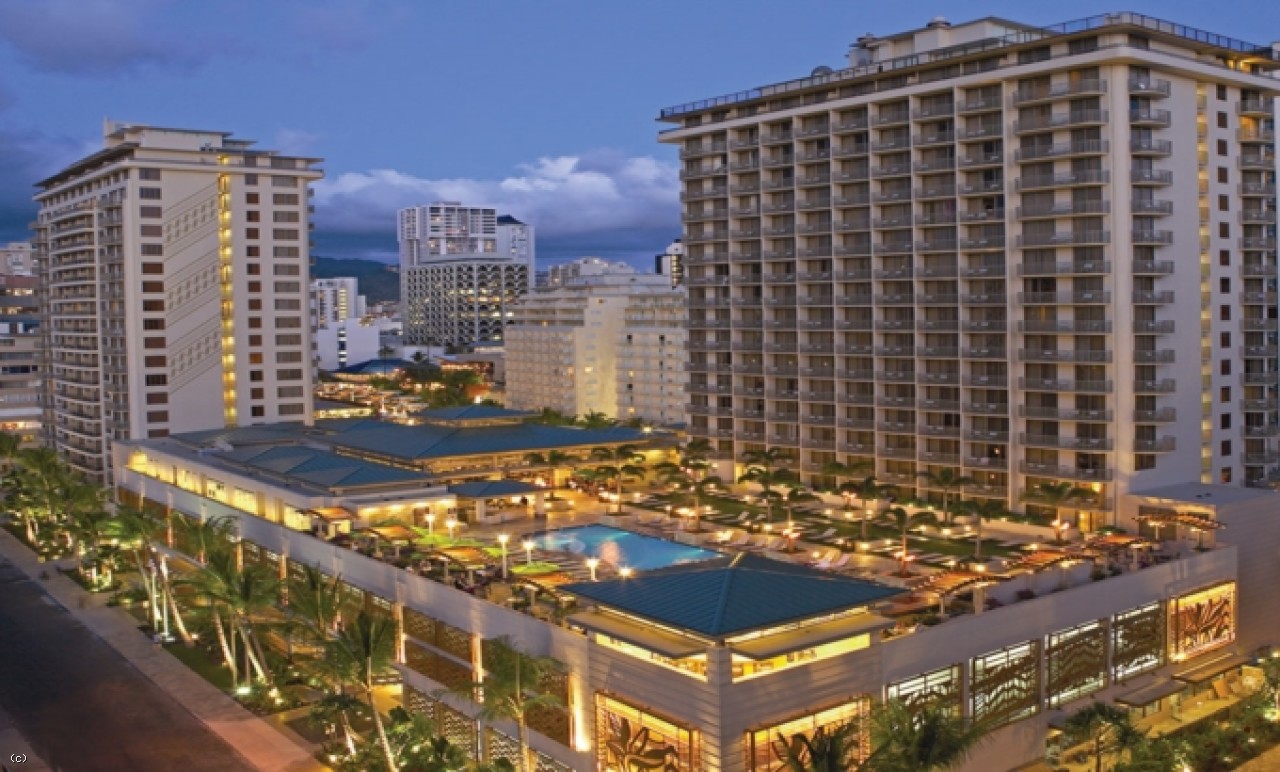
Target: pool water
622 548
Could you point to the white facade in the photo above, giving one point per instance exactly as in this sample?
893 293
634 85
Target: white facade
336 300
343 335
175 266
16 260
603 338
671 263
461 268
1048 260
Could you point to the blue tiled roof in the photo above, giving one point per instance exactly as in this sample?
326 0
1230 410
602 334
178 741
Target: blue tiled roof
375 367
436 441
319 467
483 489
722 598
473 413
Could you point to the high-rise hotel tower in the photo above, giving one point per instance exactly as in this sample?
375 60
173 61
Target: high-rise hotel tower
1029 255
175 289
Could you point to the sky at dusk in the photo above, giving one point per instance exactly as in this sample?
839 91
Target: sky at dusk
544 109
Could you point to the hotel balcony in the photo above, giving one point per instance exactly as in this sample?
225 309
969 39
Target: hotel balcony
1146 117
1061 121
1062 150
1037 95
1064 472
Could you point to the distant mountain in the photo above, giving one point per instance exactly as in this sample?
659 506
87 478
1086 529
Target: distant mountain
378 281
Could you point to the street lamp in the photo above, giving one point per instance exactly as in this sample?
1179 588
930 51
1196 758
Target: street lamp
503 538
593 564
451 523
431 525
528 551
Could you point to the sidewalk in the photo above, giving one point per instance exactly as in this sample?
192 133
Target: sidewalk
257 741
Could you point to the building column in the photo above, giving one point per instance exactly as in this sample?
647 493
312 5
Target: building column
540 504
480 511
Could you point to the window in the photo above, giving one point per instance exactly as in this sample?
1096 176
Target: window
256 393
1224 175
157 379
255 376
253 251
255 340
153 305
153 250
283 181
1226 448
1224 340
1224 367
289 340
292 410
1224 203
151 231
155 434
255 322
1224 394
251 179
255 357
155 361
288 357
285 270
285 234
284 199
1224 284
251 233
291 374
288 322
153 268
150 212
288 286
1222 120
153 342
253 269
284 217
1225 474
255 286
289 392
1138 41
252 216
153 286
1224 421
157 416
158 398
1222 92
1224 257
1143 461
1222 147
288 304
255 304
1224 230
1224 313
153 324
257 411
251 198
150 175
149 194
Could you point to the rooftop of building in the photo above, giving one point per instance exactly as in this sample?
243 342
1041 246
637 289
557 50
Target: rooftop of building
736 594
1206 494
318 467
1019 34
375 367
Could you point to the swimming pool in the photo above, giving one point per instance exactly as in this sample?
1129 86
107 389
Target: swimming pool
622 548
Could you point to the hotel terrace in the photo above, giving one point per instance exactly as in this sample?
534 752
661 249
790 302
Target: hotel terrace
715 658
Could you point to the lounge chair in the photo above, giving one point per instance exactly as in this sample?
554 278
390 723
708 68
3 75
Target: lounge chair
836 565
825 558
738 539
827 534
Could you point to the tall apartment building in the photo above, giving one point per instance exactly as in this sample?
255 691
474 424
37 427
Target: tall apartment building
175 289
461 268
671 263
601 338
343 334
20 357
1026 254
15 259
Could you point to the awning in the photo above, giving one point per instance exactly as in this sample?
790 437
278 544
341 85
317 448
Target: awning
1148 694
1202 672
657 641
951 582
778 644
393 533
331 513
1189 519
1042 559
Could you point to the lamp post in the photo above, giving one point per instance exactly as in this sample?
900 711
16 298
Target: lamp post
431 525
450 524
528 551
503 538
592 564
164 605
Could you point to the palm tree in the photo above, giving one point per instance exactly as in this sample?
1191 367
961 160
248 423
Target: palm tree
315 605
947 480
553 417
10 444
870 491
45 478
690 474
763 470
1106 729
625 462
795 495
363 649
982 510
834 750
842 471
903 520
918 738
511 689
206 537
133 530
240 595
1055 495
554 459
19 497
594 419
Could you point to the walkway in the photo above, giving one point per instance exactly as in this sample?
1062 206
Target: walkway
255 739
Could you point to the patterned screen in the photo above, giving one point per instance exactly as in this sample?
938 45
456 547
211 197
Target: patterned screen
1202 621
630 740
766 748
1137 641
935 687
1005 685
1076 662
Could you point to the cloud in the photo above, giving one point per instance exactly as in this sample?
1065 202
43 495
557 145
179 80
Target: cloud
295 142
103 38
561 196
30 157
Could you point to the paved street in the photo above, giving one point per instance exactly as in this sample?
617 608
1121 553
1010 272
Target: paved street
80 705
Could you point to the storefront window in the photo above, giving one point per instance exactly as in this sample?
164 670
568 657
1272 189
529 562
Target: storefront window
766 748
629 739
1202 621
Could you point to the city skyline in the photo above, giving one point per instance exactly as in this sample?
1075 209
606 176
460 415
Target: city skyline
593 179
